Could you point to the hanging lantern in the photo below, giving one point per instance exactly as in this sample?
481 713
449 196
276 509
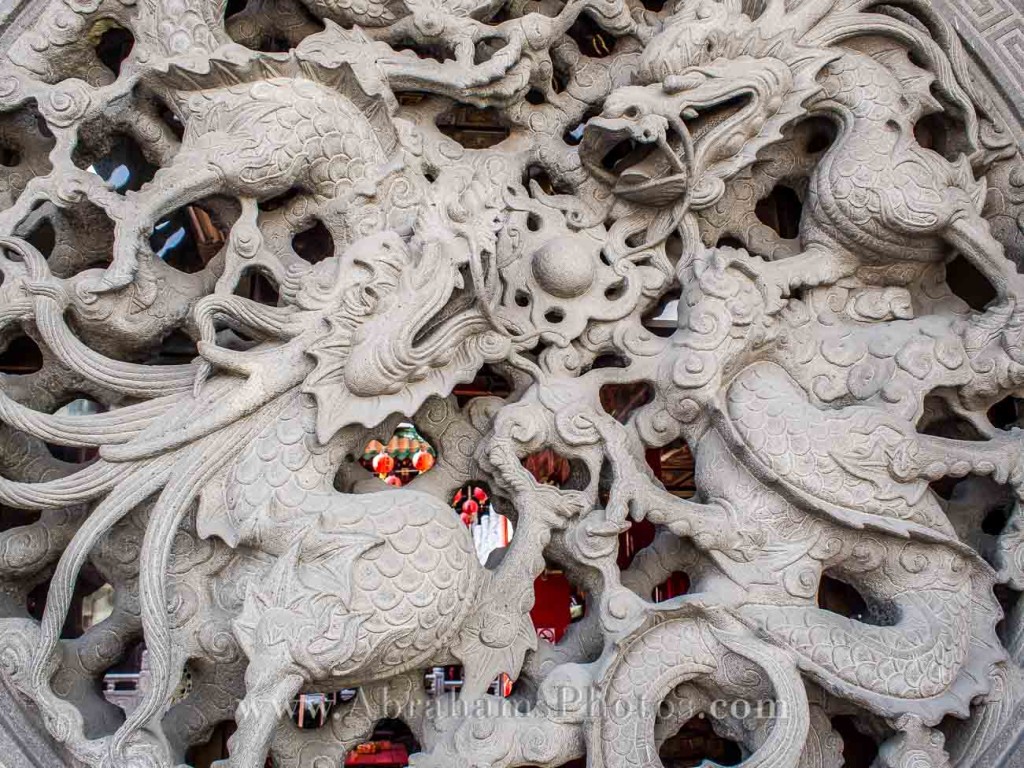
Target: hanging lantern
480 494
394 480
370 452
422 461
406 444
383 464
470 507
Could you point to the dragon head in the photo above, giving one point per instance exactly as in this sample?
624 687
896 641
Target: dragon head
380 320
413 306
711 91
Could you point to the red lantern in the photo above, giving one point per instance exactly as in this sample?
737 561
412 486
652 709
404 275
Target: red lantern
383 464
470 507
458 498
422 461
466 519
394 480
480 494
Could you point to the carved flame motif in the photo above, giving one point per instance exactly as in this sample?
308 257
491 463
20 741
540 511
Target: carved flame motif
250 238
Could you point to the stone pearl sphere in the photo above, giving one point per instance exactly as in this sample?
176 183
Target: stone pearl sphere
565 266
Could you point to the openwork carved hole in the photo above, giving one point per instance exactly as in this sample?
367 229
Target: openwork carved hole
390 740
488 382
486 48
424 51
97 606
89 603
203 754
663 319
312 711
177 348
9 156
730 241
114 46
678 583
940 134
842 598
535 96
622 400
256 285
77 408
818 134
554 315
11 518
168 117
541 176
21 355
314 244
120 161
860 748
593 41
405 456
549 467
696 742
189 237
674 465
275 28
781 210
42 235
1006 413
940 420
491 530
997 517
609 360
574 134
981 510
473 127
967 282
281 201
558 604
119 681
654 6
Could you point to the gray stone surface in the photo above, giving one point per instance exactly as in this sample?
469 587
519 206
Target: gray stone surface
845 383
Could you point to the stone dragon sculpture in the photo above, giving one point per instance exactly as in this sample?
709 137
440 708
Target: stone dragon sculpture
851 405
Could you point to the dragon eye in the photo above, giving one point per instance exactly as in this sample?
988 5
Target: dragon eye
631 112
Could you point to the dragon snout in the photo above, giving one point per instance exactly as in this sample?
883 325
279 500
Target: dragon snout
631 153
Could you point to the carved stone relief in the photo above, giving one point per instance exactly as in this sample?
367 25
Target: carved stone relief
825 198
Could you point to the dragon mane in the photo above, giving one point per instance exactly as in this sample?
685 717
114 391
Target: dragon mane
808 35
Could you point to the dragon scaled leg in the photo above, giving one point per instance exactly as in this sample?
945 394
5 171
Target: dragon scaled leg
170 189
634 492
816 266
933 458
264 705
